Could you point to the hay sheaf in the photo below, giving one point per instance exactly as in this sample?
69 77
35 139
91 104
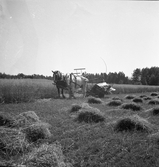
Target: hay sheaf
90 115
49 155
26 118
114 103
137 100
153 111
6 120
147 98
36 132
133 123
86 105
154 94
12 141
143 96
75 107
94 100
154 102
131 106
129 97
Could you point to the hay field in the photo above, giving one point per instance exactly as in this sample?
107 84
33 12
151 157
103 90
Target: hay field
27 90
134 88
125 135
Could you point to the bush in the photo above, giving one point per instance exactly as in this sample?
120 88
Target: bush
133 123
154 94
46 155
94 100
129 97
154 102
114 103
75 107
36 132
12 142
6 120
131 106
90 115
137 100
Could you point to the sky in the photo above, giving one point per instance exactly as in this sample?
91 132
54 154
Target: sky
98 35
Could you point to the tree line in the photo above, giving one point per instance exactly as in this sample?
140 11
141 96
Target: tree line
23 76
118 78
144 76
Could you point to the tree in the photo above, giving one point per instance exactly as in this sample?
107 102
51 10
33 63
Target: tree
136 76
145 76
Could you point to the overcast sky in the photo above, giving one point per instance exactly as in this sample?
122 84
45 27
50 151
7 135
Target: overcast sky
71 34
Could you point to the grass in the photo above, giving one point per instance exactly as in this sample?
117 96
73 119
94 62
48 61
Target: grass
86 143
25 90
28 90
134 88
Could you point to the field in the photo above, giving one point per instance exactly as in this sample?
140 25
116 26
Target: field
89 143
28 90
25 90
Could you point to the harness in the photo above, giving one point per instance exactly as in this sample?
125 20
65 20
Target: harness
61 81
74 82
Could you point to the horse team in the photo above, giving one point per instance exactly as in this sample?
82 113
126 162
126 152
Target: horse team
71 82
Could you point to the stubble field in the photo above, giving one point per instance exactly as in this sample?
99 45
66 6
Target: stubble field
105 141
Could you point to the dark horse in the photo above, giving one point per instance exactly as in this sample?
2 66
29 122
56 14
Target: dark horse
60 82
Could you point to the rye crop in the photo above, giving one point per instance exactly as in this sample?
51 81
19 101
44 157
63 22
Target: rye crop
25 90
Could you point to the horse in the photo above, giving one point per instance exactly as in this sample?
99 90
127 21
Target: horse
77 83
71 82
60 81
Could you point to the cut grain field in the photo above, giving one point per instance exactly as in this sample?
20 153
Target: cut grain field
118 131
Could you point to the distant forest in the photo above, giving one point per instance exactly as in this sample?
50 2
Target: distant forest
144 76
